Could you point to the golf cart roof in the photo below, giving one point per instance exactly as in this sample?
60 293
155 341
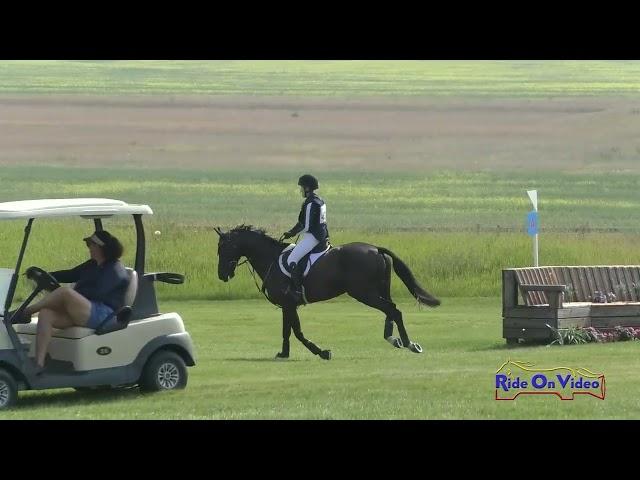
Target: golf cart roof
66 207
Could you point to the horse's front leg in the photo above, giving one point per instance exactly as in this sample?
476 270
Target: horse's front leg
286 333
313 348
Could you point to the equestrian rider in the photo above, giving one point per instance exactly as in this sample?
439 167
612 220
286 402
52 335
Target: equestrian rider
313 222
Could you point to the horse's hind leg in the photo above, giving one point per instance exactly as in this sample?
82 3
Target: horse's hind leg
393 315
388 333
414 347
396 314
385 294
297 331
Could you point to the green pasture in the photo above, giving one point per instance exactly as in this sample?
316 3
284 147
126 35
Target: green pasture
529 78
386 201
455 230
237 378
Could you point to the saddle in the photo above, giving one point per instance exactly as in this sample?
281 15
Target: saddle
308 260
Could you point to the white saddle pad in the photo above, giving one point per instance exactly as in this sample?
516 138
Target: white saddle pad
312 259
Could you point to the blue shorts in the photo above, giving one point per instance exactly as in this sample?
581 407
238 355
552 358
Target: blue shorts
99 311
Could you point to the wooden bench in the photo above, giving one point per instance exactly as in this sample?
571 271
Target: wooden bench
564 297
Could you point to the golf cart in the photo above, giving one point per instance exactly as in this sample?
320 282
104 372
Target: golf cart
143 347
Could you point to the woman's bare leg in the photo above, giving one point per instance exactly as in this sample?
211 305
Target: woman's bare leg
62 308
65 301
53 300
47 321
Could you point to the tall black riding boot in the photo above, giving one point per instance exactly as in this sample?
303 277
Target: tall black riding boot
295 293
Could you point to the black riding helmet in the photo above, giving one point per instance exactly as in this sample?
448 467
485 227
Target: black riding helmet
308 181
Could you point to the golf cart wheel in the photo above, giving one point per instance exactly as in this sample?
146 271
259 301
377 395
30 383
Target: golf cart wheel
8 389
165 370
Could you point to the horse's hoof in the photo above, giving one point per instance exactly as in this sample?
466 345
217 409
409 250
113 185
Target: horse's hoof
395 341
281 356
325 354
415 347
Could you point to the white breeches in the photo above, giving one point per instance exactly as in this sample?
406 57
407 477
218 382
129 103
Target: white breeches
304 246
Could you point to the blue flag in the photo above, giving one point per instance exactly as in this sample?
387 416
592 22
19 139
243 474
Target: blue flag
532 223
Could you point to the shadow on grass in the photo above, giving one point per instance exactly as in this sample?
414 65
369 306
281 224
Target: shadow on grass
263 359
511 348
67 398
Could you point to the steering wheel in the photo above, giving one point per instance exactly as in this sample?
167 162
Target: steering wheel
43 279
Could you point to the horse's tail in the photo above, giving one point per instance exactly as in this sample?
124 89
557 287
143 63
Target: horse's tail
409 280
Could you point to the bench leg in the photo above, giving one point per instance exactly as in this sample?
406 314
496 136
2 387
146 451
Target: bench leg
555 300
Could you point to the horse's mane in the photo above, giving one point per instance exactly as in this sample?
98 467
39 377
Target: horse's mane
259 231
248 228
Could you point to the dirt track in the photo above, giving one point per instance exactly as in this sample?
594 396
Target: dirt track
576 134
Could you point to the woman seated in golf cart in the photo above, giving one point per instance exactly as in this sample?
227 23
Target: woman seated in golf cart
101 284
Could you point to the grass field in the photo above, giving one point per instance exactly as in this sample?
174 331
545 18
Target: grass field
339 115
358 200
323 78
237 378
455 230
429 159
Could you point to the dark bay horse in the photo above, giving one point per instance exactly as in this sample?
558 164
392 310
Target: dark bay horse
359 269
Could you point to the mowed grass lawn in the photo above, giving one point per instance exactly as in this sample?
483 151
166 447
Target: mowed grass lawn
237 378
236 339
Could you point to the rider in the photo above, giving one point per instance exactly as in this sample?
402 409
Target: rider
313 222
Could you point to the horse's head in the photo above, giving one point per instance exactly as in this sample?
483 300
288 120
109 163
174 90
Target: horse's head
244 241
228 254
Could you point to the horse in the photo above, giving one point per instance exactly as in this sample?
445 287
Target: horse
359 269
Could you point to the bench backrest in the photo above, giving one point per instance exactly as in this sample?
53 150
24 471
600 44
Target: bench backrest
536 276
582 282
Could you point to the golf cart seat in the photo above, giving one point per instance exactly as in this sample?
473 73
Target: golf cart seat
81 332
